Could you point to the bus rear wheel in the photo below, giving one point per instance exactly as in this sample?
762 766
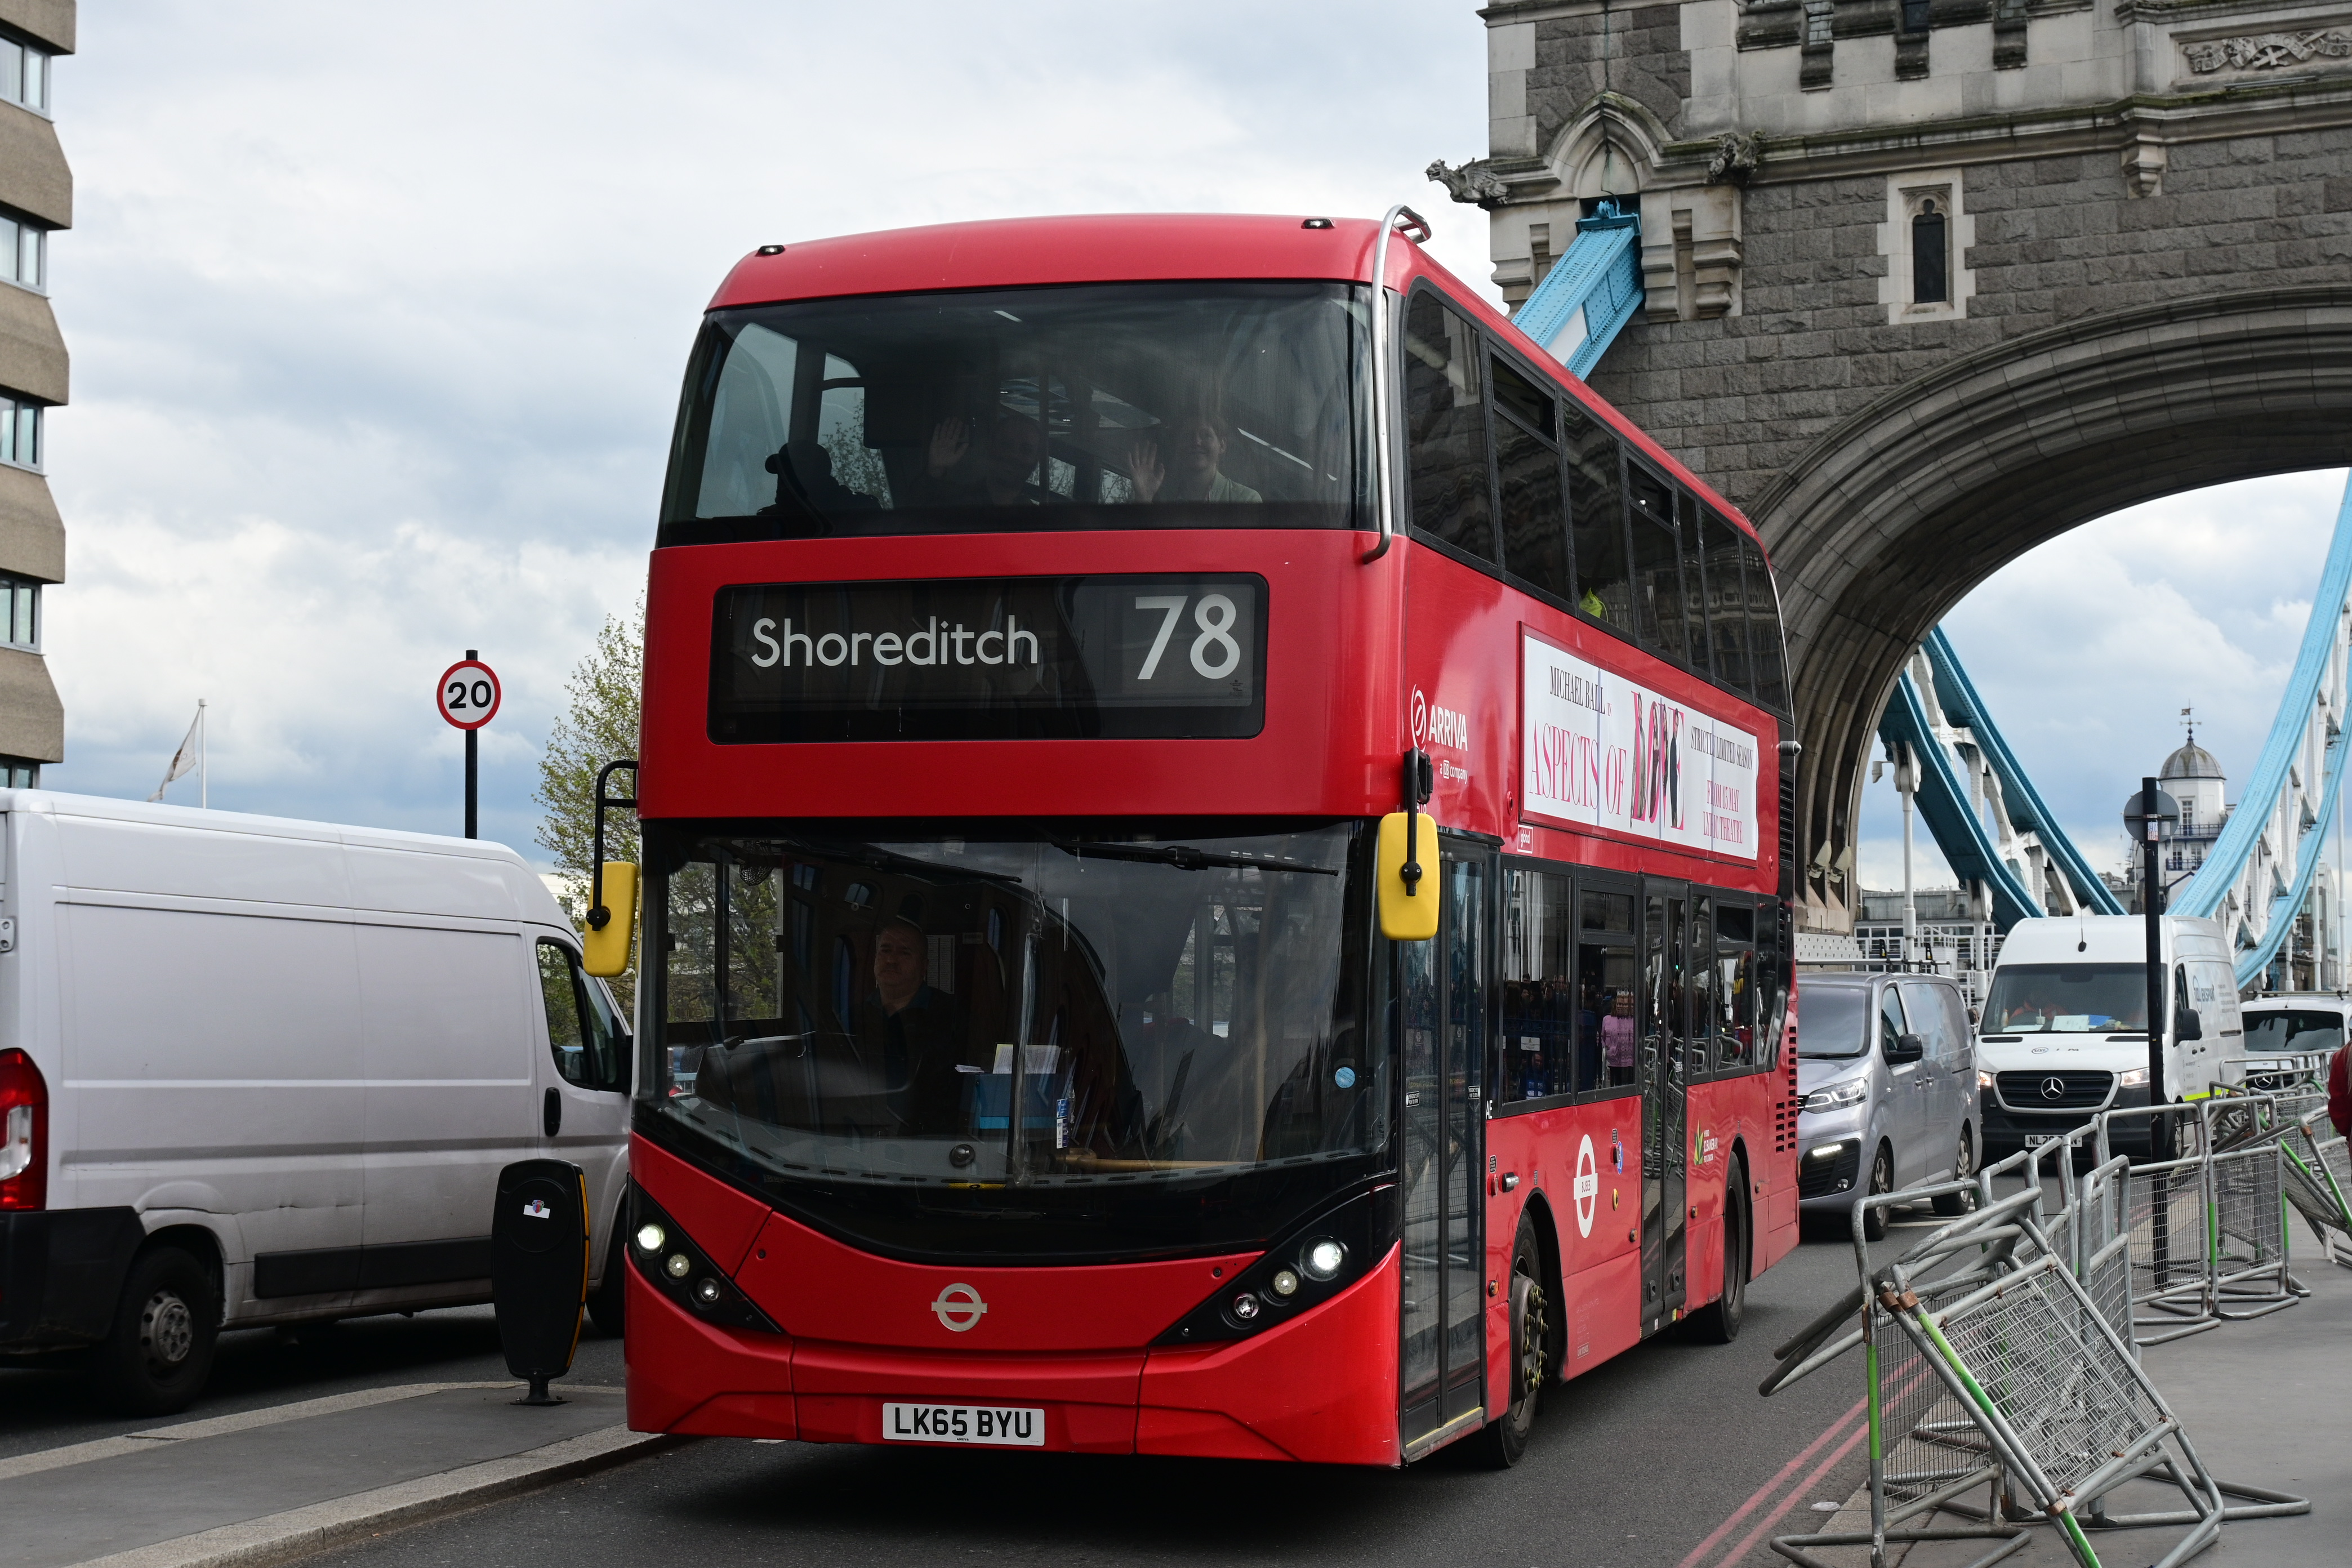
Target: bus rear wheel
1505 1438
1718 1322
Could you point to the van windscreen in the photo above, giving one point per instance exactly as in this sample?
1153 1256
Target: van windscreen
1831 1020
2293 1033
2066 999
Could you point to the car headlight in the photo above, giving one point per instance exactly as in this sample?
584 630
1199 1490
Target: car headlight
2132 1077
1984 1079
1838 1096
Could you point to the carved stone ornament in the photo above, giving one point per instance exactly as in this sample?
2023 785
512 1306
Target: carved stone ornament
1736 158
1474 183
2266 51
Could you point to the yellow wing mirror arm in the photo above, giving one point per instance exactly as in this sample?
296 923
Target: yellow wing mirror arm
1407 838
605 949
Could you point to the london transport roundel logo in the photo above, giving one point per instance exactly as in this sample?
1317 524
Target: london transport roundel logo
959 1308
1588 1186
1420 715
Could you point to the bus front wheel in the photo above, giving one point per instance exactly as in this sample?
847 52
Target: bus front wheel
1505 1438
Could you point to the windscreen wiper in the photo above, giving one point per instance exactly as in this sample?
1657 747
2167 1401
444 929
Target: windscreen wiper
1187 858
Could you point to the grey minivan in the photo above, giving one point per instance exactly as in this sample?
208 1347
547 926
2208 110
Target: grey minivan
1887 1066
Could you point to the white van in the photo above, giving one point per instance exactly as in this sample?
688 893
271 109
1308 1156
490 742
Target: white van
2291 1037
263 1071
2064 1031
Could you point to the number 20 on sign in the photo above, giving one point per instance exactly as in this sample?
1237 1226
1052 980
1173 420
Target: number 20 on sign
468 694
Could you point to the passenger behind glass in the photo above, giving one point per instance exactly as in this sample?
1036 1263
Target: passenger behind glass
1617 1037
916 1028
1181 461
805 481
1001 473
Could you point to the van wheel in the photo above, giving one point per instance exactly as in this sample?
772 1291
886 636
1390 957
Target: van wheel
1717 1322
155 1359
1504 1439
605 1308
1882 1181
1964 1169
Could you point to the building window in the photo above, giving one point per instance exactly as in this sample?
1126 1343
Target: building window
1931 284
20 432
24 253
1924 241
20 612
25 75
19 773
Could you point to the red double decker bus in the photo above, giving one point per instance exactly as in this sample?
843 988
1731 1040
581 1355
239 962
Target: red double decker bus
1214 858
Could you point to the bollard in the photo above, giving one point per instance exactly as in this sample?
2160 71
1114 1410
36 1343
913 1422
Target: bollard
538 1269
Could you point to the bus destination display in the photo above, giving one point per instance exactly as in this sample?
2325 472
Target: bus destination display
1599 751
1159 656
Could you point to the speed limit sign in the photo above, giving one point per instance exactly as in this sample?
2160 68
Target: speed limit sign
468 694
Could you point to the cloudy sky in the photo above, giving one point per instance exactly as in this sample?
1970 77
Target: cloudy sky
378 318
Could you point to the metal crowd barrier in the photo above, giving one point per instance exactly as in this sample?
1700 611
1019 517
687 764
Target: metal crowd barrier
2002 1351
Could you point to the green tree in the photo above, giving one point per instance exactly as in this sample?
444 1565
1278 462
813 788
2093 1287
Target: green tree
599 725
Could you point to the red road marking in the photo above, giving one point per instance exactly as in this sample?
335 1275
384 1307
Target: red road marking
1767 1490
1750 1539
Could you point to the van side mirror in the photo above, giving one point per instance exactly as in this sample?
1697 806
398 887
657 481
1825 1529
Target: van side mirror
2189 1027
1407 877
1906 1049
604 950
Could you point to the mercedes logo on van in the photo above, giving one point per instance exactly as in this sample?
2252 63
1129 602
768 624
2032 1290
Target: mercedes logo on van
959 1307
2054 1088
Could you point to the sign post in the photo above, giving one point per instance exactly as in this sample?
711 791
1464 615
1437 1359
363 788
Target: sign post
469 698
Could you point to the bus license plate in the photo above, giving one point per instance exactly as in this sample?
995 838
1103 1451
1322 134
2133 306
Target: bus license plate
997 1426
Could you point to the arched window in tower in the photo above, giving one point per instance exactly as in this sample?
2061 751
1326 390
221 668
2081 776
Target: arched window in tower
1930 281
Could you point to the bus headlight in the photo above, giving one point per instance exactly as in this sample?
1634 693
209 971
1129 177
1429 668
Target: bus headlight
1322 1261
678 1265
651 1236
1284 1284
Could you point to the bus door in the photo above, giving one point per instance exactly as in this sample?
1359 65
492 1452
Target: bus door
1665 1099
1444 989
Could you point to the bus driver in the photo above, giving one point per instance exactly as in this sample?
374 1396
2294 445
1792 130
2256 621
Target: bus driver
916 1025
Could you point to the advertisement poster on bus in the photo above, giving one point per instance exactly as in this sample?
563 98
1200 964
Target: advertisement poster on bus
1598 751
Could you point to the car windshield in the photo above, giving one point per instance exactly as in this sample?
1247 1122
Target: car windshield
2066 998
2293 1032
1097 407
1833 1021
1027 1041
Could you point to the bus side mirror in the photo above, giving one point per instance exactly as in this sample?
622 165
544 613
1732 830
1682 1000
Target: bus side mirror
604 950
2191 1027
1408 909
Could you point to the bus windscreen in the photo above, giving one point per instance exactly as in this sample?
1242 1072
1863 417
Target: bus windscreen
1133 405
1051 1041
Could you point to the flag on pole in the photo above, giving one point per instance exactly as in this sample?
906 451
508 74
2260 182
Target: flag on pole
184 760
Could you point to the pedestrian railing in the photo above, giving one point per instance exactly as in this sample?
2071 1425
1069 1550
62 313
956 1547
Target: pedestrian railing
2002 1352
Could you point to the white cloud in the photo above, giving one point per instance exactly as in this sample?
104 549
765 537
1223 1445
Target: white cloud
378 319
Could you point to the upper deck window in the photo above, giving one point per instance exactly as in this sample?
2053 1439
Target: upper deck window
1094 406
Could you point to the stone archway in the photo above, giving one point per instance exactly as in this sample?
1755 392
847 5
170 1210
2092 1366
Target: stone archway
1891 517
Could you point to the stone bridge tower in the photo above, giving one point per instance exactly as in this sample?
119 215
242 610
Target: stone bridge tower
1930 281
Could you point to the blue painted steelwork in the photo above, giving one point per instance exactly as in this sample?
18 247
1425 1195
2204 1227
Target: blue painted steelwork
2241 847
1951 816
2024 804
1590 293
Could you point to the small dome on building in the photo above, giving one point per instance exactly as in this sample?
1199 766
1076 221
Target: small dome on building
2192 762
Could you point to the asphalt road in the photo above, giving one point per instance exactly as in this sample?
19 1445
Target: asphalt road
1665 1458
1636 1465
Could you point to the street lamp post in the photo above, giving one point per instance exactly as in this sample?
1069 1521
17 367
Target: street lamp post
2148 816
